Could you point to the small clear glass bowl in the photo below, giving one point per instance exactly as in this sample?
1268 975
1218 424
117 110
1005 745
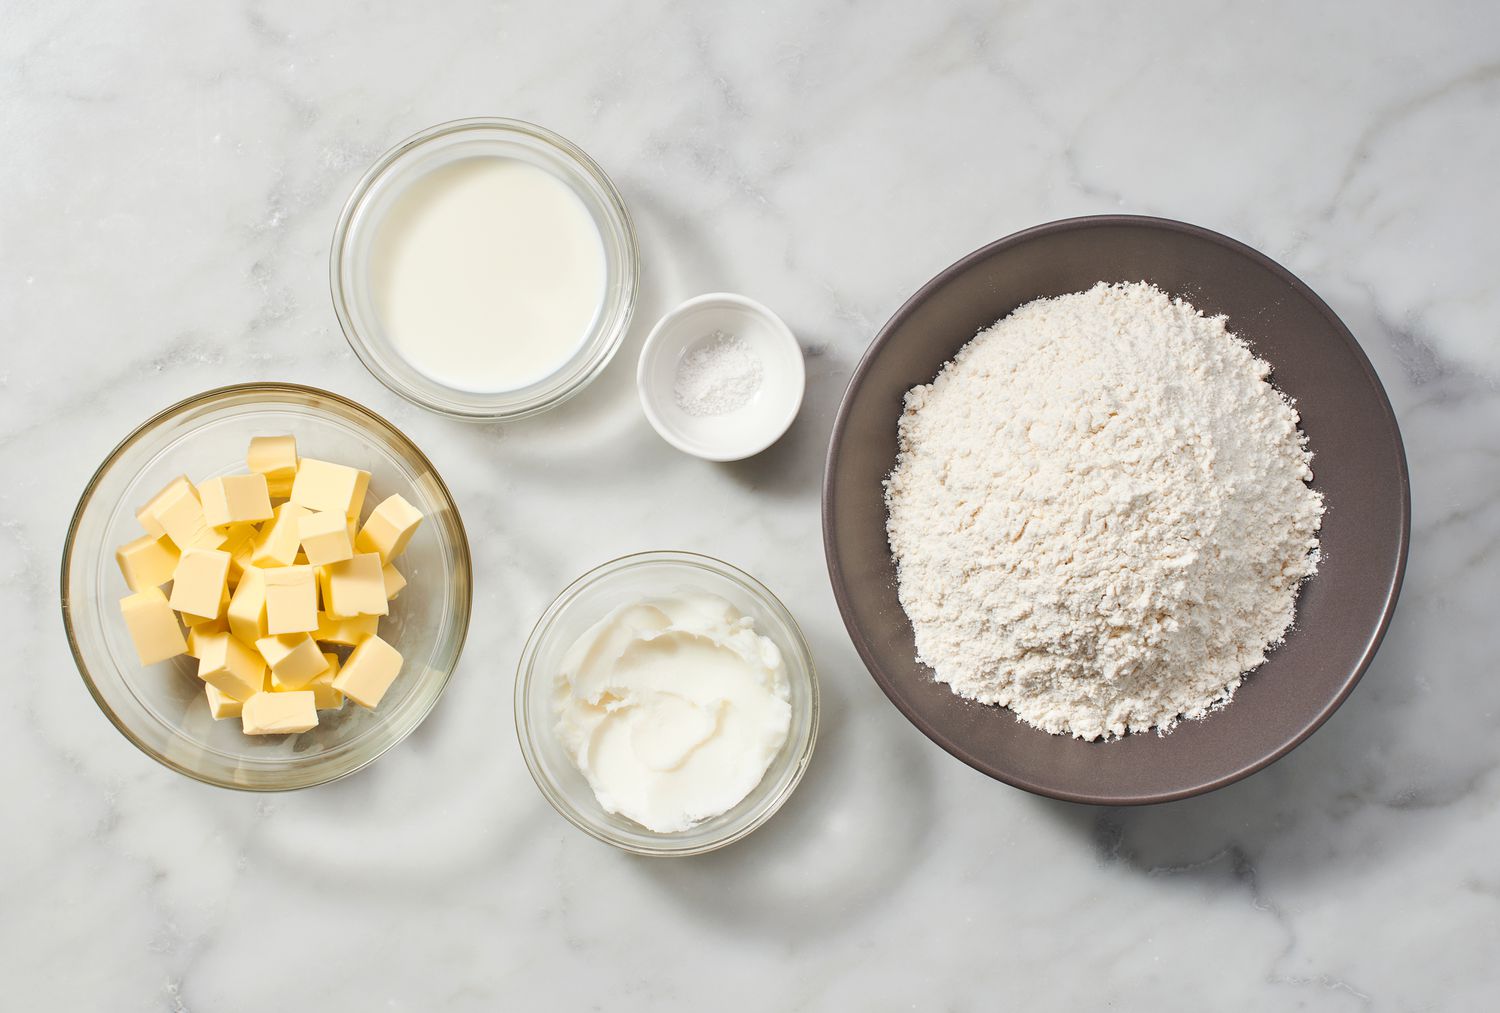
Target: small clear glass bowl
414 158
161 708
585 602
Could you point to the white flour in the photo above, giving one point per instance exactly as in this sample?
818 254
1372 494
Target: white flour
718 376
1099 513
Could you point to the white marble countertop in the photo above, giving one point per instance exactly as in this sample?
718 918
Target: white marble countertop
170 179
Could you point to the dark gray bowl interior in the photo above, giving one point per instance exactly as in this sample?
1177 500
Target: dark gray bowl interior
1360 468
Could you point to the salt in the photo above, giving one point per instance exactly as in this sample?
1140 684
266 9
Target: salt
718 376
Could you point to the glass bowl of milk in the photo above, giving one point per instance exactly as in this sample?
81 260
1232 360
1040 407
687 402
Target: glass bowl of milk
485 268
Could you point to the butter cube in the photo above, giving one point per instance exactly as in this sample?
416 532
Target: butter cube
291 600
181 516
325 537
325 696
197 634
369 672
233 499
153 628
239 542
275 457
247 608
147 515
322 485
147 561
235 669
279 539
279 714
389 528
357 587
394 582
294 658
199 581
220 705
349 631
193 622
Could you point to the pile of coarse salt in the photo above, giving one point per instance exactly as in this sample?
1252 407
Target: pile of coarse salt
718 376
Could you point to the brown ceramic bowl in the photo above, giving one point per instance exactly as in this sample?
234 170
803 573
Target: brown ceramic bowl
1360 469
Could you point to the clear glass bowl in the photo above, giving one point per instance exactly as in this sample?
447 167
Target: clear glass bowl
415 157
583 603
161 708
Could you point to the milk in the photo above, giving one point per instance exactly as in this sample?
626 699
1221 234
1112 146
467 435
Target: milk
487 274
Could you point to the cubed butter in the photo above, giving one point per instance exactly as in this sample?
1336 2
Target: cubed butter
149 561
394 582
346 630
280 537
192 621
323 485
294 658
247 608
369 672
279 713
235 499
239 542
197 634
325 537
291 600
220 705
199 581
275 457
357 587
389 528
181 515
153 628
147 515
325 696
236 669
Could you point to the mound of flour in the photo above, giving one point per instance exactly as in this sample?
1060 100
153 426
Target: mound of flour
1100 513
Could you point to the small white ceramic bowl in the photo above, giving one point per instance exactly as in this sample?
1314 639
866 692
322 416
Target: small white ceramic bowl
748 430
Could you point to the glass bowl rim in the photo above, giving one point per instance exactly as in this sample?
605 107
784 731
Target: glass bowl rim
208 397
621 223
631 560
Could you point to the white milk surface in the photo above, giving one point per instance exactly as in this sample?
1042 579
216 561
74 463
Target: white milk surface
487 273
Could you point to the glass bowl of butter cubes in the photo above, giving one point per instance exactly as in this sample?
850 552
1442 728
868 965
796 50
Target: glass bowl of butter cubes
266 586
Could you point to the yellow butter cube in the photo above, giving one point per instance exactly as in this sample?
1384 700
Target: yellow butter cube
147 515
153 628
279 538
279 713
389 528
235 499
394 582
275 457
357 587
181 515
247 608
325 696
369 672
323 485
197 634
349 631
199 581
193 622
147 562
294 658
236 669
291 600
325 537
239 542
220 705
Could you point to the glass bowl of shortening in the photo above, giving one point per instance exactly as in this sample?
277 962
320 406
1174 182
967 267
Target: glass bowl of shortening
162 707
485 268
666 703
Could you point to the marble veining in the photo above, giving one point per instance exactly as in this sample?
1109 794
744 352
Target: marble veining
171 177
